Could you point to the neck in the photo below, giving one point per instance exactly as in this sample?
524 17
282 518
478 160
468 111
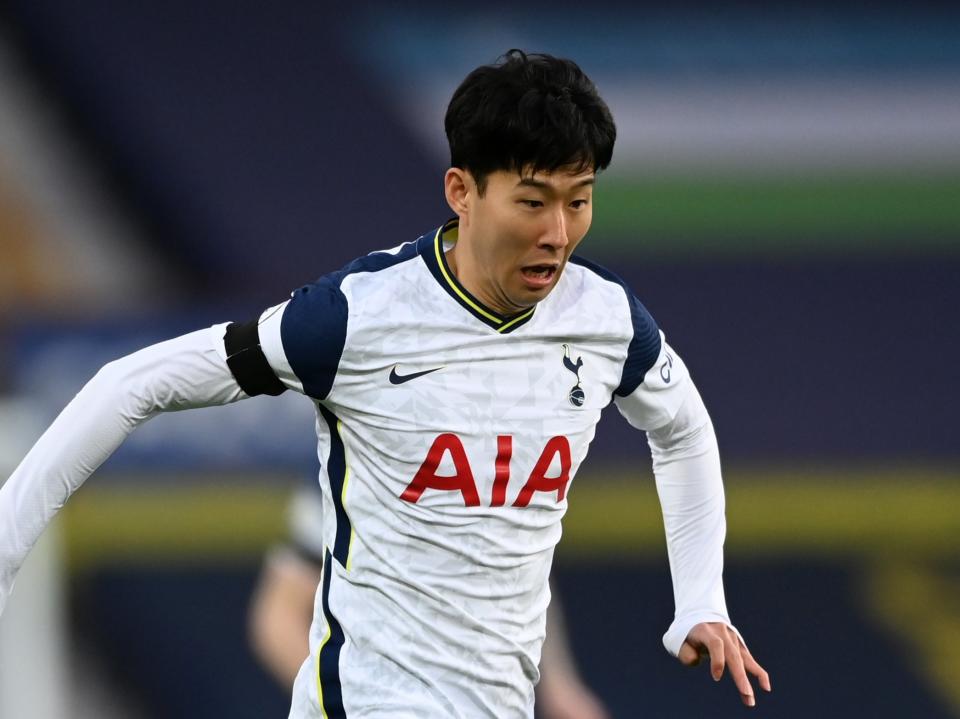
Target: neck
465 267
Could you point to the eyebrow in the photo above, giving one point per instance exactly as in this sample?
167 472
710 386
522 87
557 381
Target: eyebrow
530 182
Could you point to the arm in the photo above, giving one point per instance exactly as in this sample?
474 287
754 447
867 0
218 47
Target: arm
182 373
562 694
281 612
686 464
282 606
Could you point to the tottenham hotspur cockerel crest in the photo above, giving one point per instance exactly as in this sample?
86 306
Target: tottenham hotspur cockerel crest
576 392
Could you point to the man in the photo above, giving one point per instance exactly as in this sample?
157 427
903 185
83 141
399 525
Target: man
458 380
282 609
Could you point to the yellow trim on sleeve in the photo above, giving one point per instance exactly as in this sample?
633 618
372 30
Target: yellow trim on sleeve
323 643
343 496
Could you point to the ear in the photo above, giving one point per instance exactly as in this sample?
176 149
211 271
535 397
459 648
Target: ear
460 189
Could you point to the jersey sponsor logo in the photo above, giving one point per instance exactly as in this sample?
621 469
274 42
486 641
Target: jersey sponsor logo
397 378
462 481
577 396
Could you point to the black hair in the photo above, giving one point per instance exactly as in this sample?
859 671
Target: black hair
528 112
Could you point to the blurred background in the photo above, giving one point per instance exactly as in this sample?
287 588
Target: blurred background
784 198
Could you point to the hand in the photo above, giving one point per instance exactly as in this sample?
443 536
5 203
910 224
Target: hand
568 698
717 641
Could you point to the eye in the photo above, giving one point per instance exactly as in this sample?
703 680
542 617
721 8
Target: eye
579 204
531 203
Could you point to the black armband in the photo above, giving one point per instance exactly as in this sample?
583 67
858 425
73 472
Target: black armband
247 362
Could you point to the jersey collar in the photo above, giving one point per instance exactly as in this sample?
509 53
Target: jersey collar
431 249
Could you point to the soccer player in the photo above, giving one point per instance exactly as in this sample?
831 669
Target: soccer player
282 609
458 380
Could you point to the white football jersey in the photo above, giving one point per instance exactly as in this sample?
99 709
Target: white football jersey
449 436
448 439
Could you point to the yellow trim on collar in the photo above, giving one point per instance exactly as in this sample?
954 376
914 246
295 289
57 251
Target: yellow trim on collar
453 285
516 319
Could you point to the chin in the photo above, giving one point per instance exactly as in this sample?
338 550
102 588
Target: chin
528 298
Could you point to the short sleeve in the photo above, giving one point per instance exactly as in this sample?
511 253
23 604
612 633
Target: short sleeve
303 338
655 401
645 337
644 348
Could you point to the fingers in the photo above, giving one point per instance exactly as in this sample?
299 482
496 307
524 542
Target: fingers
715 647
737 671
725 650
689 656
751 665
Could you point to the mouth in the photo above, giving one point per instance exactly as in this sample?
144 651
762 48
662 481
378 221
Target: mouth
539 276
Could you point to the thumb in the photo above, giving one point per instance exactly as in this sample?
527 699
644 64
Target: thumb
688 656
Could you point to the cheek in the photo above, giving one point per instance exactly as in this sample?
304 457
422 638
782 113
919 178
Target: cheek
510 251
579 228
511 240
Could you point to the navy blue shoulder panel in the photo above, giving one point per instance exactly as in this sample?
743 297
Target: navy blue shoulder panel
314 325
644 346
376 261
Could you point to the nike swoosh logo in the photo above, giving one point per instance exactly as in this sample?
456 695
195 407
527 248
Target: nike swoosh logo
401 378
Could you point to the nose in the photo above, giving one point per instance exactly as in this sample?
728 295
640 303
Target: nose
554 235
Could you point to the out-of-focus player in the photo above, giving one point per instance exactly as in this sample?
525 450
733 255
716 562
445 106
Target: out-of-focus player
281 611
458 381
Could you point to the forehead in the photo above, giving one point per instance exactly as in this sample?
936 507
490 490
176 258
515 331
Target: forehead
560 180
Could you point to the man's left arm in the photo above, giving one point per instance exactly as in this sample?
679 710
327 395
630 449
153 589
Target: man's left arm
686 464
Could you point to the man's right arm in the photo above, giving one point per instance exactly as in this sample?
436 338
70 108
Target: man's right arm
182 373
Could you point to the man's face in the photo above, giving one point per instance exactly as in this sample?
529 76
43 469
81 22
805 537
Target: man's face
522 232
